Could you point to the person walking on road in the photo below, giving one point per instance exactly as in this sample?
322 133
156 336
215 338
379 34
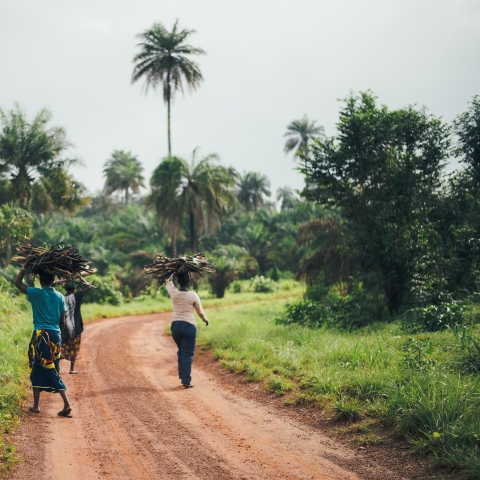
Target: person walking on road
72 333
184 328
48 307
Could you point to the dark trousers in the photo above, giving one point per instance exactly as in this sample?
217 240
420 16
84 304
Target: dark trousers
184 334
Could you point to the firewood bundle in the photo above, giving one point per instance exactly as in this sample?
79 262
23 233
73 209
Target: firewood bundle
164 267
62 261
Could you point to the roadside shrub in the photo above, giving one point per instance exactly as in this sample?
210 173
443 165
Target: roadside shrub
108 290
237 287
260 284
416 353
274 274
471 360
433 318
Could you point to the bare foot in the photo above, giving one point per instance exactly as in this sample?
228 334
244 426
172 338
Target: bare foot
34 410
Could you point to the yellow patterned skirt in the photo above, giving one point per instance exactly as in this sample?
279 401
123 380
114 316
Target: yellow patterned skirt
71 347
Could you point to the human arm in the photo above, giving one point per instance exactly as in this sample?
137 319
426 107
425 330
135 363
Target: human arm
19 280
86 290
62 322
198 308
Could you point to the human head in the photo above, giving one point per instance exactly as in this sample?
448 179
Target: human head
183 279
70 286
46 279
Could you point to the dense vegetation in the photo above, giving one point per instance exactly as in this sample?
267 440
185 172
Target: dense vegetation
387 242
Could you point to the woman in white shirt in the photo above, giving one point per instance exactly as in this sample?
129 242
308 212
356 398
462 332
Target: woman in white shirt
184 328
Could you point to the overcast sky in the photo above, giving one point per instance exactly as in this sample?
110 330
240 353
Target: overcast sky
268 62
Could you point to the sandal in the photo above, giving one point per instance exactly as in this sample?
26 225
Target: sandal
65 413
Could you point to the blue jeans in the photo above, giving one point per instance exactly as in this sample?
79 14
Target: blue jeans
184 334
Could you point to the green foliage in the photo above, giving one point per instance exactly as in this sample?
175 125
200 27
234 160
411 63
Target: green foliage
382 170
225 272
31 153
200 189
123 172
418 351
251 189
260 284
300 133
107 290
15 224
345 305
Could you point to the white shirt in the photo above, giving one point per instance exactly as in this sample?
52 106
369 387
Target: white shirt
184 304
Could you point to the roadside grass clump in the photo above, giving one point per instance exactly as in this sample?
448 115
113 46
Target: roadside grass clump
15 331
425 387
347 409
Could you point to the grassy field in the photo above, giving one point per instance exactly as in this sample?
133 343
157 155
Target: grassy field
158 302
423 386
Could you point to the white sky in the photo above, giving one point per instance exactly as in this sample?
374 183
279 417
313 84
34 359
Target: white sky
268 62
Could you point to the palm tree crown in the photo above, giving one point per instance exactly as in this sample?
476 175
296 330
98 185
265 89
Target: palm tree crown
287 197
199 188
300 133
162 60
29 151
123 172
251 189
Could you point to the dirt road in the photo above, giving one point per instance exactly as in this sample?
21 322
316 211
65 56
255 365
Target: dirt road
133 421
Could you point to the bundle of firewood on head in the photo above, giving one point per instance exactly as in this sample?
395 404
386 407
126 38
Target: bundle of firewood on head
60 261
164 267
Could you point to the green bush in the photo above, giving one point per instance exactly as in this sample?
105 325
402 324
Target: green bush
260 284
107 290
433 318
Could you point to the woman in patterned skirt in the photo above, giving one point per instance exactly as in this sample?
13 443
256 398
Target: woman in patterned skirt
72 334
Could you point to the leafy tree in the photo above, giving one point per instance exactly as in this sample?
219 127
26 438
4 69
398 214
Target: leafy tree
383 171
163 60
201 189
15 224
287 197
123 172
252 188
301 133
30 151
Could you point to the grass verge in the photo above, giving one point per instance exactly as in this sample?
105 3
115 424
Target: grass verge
15 331
159 302
421 386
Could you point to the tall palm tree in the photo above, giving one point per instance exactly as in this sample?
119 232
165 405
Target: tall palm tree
300 133
287 197
30 150
123 172
201 189
162 60
251 189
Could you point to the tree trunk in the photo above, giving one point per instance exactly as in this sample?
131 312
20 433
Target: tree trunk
127 197
193 240
169 140
174 244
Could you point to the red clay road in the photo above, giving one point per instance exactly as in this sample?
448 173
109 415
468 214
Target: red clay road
133 421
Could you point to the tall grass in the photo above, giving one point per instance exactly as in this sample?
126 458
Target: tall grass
415 384
15 331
